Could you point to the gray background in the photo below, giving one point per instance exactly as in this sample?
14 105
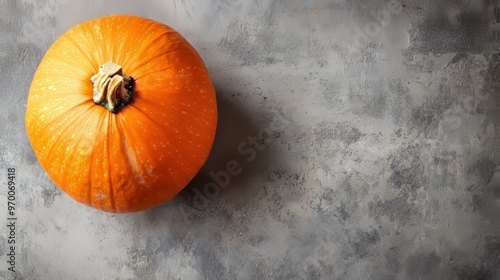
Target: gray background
379 162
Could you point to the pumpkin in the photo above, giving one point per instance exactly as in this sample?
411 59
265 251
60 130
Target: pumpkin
121 113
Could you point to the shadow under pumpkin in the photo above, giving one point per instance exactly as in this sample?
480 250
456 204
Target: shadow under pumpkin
239 152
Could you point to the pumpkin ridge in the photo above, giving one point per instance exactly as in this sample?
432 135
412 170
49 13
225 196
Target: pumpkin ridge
49 154
141 65
136 135
132 161
74 155
142 181
70 60
98 139
97 34
140 52
111 194
159 126
116 47
167 56
62 115
89 197
106 30
93 121
79 48
54 143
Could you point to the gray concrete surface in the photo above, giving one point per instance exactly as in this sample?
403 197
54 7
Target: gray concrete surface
379 162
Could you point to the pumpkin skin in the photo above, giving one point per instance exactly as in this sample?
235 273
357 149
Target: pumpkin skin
146 153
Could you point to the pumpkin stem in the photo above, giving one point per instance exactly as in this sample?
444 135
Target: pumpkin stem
112 88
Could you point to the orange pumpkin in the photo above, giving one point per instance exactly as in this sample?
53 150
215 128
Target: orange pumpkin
121 113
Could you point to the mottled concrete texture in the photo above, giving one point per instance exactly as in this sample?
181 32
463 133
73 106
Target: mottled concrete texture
379 156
